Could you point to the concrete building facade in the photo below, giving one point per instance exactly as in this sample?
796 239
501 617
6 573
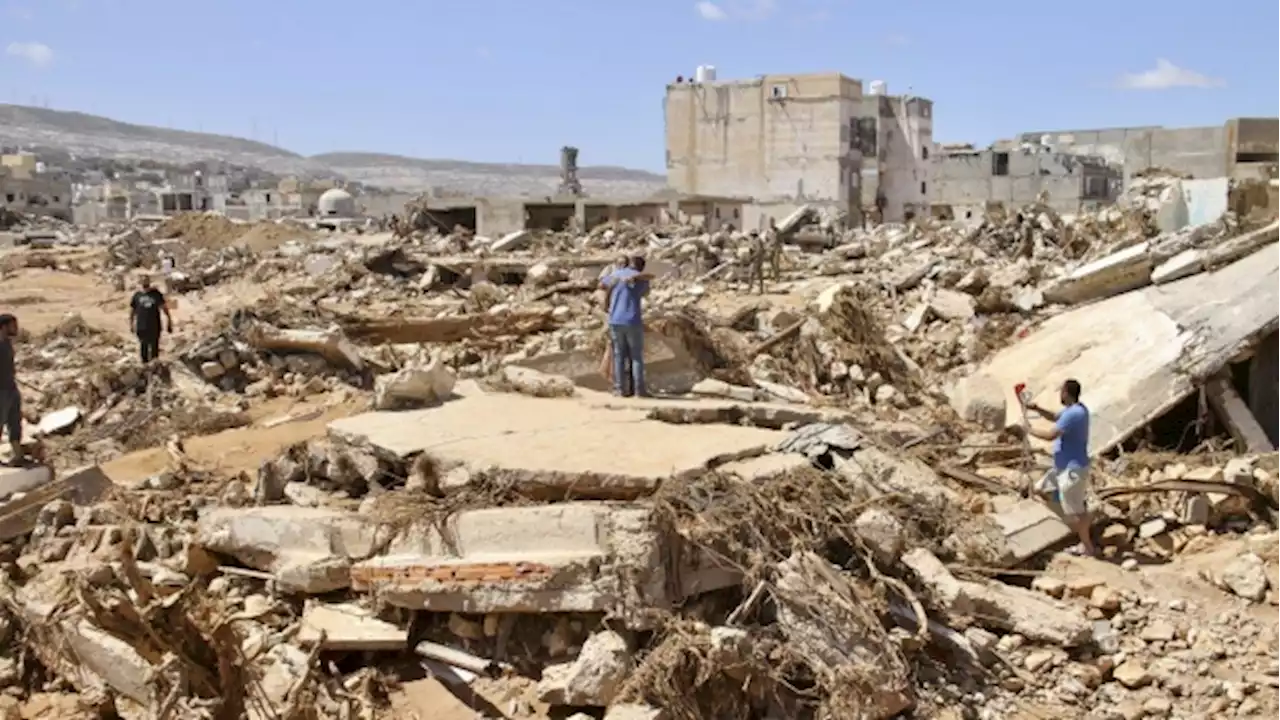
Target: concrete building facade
783 140
1213 151
44 195
895 136
966 179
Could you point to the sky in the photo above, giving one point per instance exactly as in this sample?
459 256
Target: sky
514 80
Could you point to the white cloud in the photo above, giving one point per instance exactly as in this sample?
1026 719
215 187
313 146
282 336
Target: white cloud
1167 75
711 11
736 10
897 40
38 54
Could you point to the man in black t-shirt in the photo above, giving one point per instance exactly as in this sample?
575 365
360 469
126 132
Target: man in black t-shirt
144 319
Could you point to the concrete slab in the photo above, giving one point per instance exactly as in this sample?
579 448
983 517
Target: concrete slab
16 480
1139 354
309 550
1030 527
349 627
577 556
616 452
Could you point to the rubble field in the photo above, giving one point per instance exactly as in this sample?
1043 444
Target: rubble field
381 475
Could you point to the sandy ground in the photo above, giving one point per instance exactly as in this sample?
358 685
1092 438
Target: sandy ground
42 298
241 449
430 699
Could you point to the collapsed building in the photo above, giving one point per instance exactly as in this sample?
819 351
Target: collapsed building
378 468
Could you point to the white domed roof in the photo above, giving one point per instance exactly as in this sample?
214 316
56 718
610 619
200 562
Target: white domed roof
337 201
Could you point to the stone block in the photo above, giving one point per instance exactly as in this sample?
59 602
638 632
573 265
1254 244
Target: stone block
349 627
308 549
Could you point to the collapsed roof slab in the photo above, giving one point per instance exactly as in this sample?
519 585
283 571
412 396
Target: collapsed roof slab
1138 354
555 447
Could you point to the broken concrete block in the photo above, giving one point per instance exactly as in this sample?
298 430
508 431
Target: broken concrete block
1119 272
711 387
1027 613
349 627
414 387
309 550
951 305
1246 576
303 495
634 711
331 344
945 590
528 381
512 241
882 532
1030 527
980 399
594 678
1131 674
916 317
577 556
1185 263
23 479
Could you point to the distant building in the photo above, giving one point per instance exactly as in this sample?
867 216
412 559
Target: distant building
782 140
965 179
896 137
1240 147
25 189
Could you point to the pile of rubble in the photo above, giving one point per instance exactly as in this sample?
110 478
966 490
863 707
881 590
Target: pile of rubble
817 521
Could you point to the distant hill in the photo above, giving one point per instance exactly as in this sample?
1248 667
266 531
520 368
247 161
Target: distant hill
486 178
94 136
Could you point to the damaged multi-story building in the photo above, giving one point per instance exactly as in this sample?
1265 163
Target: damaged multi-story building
27 187
967 180
1240 148
788 140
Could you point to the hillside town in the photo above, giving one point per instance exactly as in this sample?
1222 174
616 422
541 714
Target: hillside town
840 422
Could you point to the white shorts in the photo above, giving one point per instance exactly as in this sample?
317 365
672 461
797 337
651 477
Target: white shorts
1071 486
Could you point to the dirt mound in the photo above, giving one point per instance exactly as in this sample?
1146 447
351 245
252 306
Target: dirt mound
269 235
202 230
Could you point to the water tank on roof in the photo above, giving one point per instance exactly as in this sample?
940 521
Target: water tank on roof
878 87
705 74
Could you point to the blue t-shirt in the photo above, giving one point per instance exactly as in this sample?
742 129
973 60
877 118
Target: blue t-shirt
1071 448
625 299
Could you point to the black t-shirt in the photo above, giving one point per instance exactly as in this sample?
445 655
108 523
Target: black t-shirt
8 377
146 306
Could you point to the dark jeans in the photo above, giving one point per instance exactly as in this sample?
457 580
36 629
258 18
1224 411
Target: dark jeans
11 413
149 342
628 359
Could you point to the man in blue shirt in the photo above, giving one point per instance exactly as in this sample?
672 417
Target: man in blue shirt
1069 476
626 289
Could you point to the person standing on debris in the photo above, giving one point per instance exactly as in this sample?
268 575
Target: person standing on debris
10 397
606 360
144 319
773 250
626 288
757 251
1069 476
